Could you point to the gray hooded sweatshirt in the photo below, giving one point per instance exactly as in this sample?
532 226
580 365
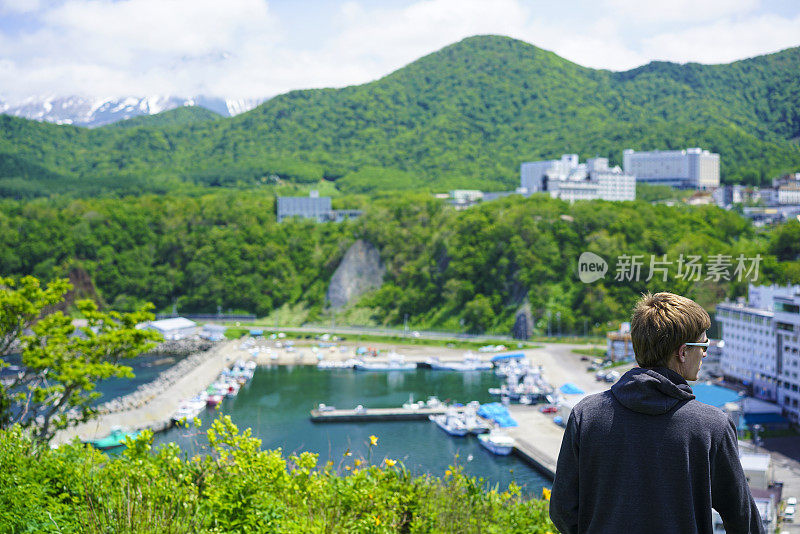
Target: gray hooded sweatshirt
647 457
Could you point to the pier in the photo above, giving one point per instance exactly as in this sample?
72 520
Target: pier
154 412
373 414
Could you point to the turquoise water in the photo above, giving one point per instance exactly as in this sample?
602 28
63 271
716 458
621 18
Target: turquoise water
276 405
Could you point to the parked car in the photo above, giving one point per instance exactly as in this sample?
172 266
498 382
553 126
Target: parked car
549 409
788 513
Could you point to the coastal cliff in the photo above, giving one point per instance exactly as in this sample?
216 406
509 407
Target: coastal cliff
361 270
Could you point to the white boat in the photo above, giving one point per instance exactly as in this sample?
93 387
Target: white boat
474 424
497 442
335 364
396 362
450 423
469 363
190 408
411 405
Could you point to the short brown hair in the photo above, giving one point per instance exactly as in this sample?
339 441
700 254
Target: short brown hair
661 323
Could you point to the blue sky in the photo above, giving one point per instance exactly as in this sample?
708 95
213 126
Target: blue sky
259 48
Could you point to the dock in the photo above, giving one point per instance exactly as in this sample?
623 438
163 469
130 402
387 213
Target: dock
156 413
373 414
538 438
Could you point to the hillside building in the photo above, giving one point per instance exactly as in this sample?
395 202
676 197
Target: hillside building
312 207
762 344
692 168
569 180
172 329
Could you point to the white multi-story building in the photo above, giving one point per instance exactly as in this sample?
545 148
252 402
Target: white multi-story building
690 168
761 344
569 180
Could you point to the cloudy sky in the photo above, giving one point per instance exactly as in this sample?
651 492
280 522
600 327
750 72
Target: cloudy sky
259 48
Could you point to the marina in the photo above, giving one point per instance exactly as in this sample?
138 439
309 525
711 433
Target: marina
391 415
290 398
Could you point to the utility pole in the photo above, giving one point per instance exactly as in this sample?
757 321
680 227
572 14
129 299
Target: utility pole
405 325
558 318
549 317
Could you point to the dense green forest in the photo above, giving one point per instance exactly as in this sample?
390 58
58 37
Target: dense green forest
465 116
181 116
451 269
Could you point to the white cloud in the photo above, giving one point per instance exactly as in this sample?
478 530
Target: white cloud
140 46
689 11
726 40
394 37
241 48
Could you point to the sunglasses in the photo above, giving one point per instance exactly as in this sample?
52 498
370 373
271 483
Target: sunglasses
703 345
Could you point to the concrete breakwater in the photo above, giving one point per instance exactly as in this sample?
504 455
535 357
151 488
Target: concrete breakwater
152 406
182 347
147 392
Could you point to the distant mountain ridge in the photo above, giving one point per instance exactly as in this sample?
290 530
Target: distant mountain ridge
93 112
465 116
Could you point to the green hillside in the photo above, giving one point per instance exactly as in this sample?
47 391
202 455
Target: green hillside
179 116
449 269
465 116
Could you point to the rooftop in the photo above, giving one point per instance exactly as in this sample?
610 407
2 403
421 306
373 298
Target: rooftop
715 395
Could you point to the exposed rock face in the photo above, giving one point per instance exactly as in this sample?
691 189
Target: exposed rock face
523 323
360 271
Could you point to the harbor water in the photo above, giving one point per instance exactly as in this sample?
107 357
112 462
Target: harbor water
277 401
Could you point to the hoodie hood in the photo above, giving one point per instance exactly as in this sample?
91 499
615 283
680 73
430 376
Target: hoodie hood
652 391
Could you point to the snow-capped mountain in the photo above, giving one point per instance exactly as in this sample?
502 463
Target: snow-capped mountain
91 112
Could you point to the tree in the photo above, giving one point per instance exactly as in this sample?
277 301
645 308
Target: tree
478 314
60 364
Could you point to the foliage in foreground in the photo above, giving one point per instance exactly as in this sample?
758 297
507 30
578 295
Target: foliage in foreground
60 363
240 488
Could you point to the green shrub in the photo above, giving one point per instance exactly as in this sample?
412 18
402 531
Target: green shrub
240 488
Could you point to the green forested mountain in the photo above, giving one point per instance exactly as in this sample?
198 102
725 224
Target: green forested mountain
466 115
180 116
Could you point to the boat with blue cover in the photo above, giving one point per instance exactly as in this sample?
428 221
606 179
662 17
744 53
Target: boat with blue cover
115 439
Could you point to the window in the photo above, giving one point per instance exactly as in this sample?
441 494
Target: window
786 307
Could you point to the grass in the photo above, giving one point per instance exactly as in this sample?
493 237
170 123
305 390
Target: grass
593 352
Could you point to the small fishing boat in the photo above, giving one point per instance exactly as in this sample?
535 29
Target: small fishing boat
396 362
474 424
450 423
497 442
190 408
116 438
469 363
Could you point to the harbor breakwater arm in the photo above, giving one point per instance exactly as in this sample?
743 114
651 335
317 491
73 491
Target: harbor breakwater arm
156 408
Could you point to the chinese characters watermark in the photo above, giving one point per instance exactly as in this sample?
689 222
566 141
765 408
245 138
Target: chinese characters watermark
692 268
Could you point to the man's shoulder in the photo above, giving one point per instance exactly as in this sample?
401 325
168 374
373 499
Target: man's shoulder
594 401
710 415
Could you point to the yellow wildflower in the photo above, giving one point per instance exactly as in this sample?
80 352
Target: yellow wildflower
347 467
357 461
377 520
448 473
546 494
373 440
390 462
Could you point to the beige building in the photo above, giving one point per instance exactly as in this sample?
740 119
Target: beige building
689 168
